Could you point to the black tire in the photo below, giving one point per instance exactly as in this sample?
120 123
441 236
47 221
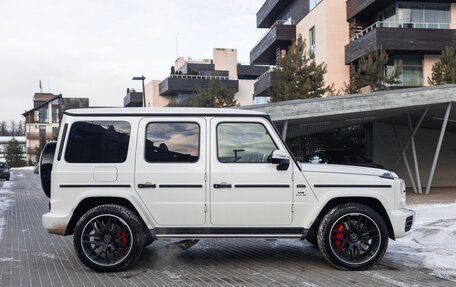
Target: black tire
7 179
352 236
311 237
107 230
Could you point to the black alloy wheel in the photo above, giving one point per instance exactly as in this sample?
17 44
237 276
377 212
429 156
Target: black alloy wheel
353 236
108 238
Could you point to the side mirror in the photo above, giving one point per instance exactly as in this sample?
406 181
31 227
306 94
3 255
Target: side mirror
281 158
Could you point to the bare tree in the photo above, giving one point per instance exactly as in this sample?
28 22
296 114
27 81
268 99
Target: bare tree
3 128
12 129
20 128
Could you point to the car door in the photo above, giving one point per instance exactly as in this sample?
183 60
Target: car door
171 169
246 189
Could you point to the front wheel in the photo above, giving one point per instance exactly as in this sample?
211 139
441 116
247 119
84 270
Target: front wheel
108 238
352 237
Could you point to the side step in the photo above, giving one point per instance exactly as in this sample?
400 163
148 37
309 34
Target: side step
228 232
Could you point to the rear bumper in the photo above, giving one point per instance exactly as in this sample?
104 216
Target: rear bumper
402 221
56 223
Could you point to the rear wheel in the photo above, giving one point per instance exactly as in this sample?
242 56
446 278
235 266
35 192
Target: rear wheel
108 238
352 237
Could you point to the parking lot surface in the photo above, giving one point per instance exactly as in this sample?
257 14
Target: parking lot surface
31 257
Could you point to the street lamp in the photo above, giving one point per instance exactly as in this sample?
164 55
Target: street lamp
142 78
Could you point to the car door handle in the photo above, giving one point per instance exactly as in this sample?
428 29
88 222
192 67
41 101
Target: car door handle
141 185
222 185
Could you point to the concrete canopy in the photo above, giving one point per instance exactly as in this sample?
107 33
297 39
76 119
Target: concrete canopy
312 116
427 107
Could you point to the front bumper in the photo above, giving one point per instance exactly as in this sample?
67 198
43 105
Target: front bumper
56 223
402 221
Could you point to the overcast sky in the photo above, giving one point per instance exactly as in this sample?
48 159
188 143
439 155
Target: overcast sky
92 48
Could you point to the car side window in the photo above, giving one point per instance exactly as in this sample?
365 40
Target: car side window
172 142
98 142
244 143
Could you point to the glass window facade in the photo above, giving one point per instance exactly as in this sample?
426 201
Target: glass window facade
312 45
411 67
43 115
416 15
313 3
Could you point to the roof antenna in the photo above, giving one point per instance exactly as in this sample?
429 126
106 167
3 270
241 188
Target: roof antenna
41 87
177 50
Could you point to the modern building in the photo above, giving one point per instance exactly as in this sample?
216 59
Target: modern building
340 32
4 140
321 23
42 123
133 99
187 75
413 33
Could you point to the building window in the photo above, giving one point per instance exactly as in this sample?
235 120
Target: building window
244 143
411 68
312 45
416 15
36 116
55 114
98 142
172 142
43 115
313 3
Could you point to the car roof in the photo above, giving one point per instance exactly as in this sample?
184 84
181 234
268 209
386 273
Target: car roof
176 111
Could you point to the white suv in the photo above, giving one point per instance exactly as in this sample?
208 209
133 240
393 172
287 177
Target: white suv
122 178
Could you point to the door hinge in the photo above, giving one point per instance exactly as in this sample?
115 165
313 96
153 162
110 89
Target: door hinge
205 208
292 208
292 177
205 177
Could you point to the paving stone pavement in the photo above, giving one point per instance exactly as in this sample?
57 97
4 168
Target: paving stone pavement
31 257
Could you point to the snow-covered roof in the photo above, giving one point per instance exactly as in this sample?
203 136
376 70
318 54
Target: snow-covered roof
6 139
161 111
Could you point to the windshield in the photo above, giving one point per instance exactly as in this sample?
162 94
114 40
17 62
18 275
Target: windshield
3 165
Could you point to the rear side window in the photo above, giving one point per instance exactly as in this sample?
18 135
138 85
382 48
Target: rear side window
98 142
172 142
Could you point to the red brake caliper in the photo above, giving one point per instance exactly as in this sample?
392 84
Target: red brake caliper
339 237
123 237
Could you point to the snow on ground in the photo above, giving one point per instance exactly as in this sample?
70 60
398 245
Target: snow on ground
432 244
5 203
27 168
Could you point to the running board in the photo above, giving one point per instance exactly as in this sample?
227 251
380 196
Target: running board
257 233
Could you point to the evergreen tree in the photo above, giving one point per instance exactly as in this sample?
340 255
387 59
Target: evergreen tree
299 76
444 71
14 153
217 95
353 84
371 72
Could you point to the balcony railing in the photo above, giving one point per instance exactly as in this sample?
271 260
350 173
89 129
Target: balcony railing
408 25
266 81
277 23
179 76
